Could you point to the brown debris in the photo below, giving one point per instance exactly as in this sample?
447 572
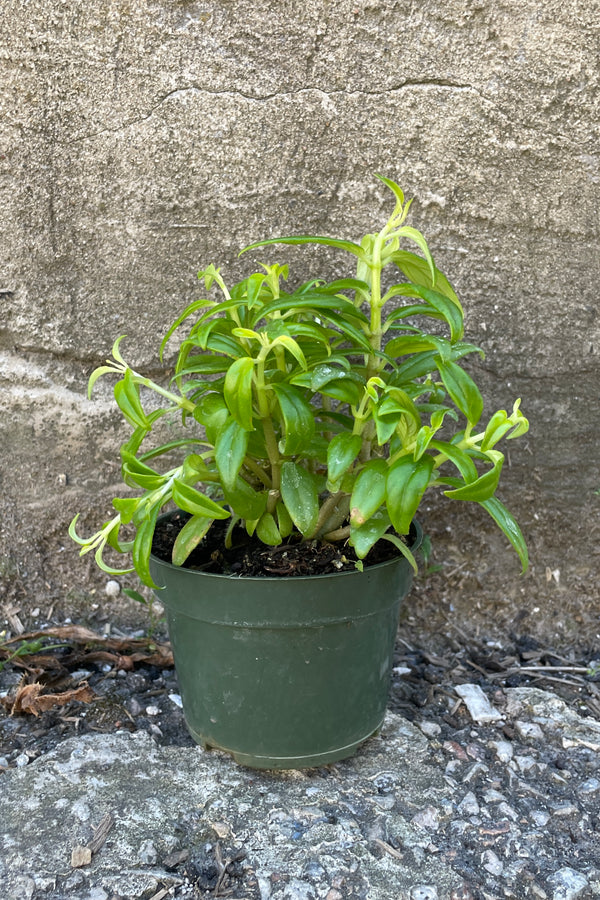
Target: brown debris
122 653
31 699
82 856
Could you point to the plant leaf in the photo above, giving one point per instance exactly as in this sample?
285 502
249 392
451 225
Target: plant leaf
244 500
309 239
508 525
299 492
364 537
369 491
267 530
128 400
190 500
298 419
230 450
462 389
406 483
189 537
483 487
404 550
237 391
341 453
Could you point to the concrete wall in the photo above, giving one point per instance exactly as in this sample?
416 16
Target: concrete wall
141 140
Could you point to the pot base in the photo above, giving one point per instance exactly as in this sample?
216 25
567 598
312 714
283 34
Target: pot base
286 762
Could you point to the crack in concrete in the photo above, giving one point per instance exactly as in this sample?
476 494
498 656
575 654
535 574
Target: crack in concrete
262 98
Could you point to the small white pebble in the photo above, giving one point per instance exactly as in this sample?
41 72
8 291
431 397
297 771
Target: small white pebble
430 729
539 817
491 863
152 711
468 805
565 809
589 787
525 763
429 817
21 760
477 703
505 810
112 588
529 731
401 670
423 892
493 796
176 699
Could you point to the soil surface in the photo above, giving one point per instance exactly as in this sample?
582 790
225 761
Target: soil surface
248 556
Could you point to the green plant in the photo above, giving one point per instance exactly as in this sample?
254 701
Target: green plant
319 413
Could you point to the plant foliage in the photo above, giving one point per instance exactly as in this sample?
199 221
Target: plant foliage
319 413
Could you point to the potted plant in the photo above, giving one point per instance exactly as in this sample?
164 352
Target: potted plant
313 420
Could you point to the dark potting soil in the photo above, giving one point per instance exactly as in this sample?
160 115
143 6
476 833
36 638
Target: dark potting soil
248 556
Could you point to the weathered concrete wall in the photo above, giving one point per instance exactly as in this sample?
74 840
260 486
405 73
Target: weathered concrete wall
141 140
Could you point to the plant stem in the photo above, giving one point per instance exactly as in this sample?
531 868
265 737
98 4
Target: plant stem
339 534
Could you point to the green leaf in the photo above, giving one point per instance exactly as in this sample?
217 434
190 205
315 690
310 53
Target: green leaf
190 500
189 537
254 286
346 284
212 412
244 500
369 491
116 353
462 389
364 537
397 191
230 450
237 391
142 545
203 364
292 347
138 474
459 458
508 525
497 427
309 239
284 520
416 343
195 469
404 550
406 483
413 235
101 370
128 400
298 419
188 311
126 507
483 487
299 492
438 306
135 595
341 453
267 530
418 271
309 303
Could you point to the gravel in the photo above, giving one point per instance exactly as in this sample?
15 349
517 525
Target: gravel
476 790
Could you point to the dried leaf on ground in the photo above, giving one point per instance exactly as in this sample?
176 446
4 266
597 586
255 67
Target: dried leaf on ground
30 698
123 653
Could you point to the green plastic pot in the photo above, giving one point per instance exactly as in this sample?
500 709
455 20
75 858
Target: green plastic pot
284 673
